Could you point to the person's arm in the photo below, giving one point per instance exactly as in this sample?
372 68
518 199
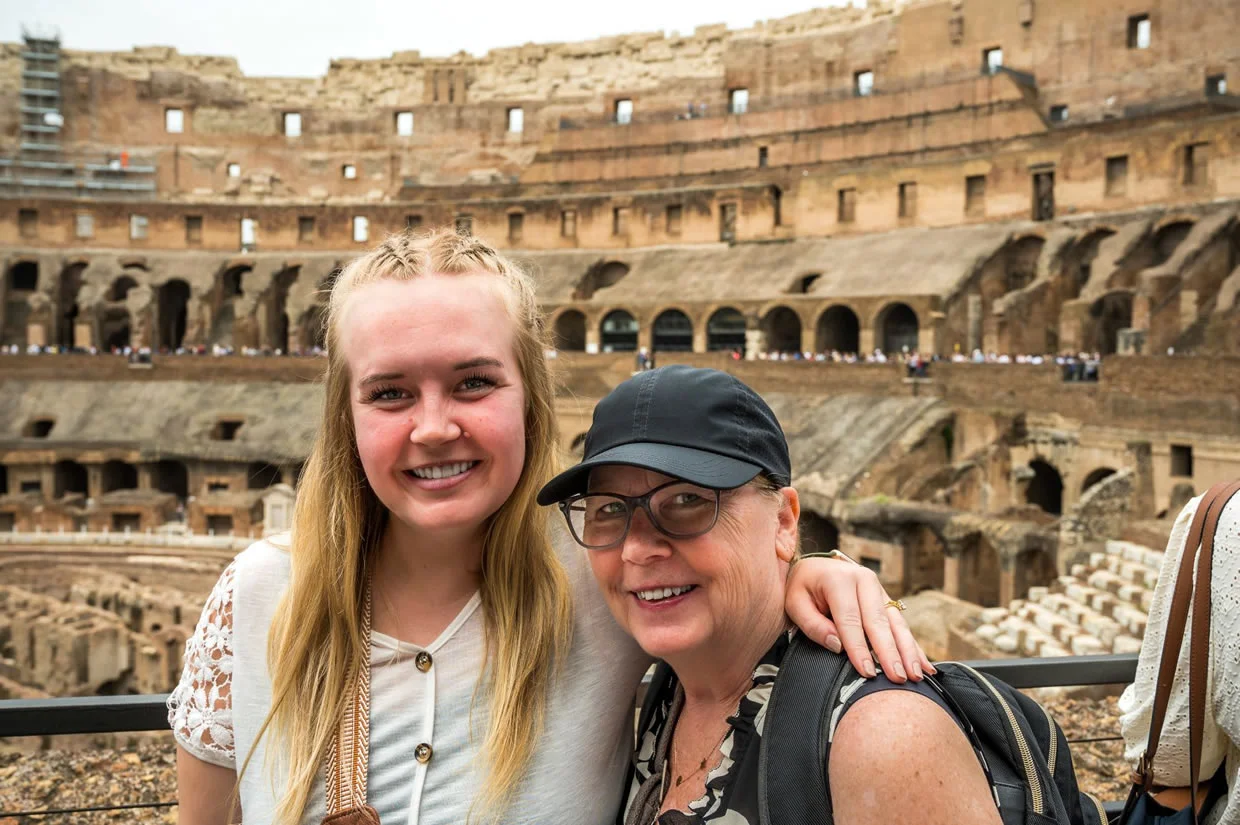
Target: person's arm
895 752
840 604
206 793
200 715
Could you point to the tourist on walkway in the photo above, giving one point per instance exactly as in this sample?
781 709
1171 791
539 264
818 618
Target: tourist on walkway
684 505
420 644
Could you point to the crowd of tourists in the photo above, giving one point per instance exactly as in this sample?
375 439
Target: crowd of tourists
442 649
146 353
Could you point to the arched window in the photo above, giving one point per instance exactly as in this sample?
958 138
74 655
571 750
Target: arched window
172 477
570 331
726 331
783 330
1045 488
69 477
619 332
118 475
839 330
173 309
898 328
119 290
673 332
1096 476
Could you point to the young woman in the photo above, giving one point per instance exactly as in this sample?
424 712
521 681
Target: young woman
421 645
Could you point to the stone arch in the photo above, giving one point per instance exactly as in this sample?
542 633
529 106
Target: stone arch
23 276
22 280
570 331
277 308
599 276
818 534
171 477
1096 476
618 331
68 477
118 475
725 331
115 328
1020 262
118 291
1081 261
259 475
67 302
1107 316
838 330
672 332
781 327
1045 489
232 281
1167 239
173 303
1032 568
802 284
898 328
312 332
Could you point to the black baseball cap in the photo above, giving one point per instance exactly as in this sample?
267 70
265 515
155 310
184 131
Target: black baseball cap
700 425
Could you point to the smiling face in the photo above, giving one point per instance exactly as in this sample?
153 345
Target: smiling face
681 597
437 399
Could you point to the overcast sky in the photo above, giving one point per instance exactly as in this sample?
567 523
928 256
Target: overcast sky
299 37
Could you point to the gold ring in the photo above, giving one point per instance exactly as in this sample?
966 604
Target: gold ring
897 604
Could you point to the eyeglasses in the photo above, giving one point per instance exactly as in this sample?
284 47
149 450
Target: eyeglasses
678 510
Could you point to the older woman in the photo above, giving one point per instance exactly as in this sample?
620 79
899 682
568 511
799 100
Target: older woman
684 505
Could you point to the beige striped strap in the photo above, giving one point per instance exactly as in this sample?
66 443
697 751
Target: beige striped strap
348 758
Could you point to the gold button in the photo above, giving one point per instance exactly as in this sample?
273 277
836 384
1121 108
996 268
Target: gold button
423 661
422 753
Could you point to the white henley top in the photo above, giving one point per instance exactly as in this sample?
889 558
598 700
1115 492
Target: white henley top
578 766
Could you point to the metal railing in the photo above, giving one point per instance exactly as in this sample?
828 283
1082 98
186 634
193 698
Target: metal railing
123 714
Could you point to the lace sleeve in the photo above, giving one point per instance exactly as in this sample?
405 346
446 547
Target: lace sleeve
200 709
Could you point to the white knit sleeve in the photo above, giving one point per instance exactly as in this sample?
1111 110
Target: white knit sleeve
1223 708
200 709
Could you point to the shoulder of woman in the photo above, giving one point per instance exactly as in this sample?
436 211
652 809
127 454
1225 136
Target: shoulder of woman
263 561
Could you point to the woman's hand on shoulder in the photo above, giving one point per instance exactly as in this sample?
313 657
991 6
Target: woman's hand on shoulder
840 604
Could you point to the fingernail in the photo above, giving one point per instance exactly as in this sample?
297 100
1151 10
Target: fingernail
833 644
900 671
916 672
933 669
867 669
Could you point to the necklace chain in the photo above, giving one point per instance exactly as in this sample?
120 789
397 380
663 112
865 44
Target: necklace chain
682 778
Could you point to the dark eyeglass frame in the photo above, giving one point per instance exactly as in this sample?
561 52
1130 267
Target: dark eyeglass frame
631 503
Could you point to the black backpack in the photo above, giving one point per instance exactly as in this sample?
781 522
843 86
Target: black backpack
1025 751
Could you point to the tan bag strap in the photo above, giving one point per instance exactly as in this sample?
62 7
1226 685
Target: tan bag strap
1200 537
348 758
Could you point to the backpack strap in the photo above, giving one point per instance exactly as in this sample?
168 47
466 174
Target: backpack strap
659 684
792 760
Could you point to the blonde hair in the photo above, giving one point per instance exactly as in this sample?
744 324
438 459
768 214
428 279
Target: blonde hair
316 635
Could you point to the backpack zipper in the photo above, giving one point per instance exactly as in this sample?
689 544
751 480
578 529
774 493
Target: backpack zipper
1026 754
1102 812
1050 729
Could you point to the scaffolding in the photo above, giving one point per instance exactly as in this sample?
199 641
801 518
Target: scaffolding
40 162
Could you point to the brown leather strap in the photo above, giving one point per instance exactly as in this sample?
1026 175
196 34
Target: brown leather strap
348 758
1200 535
1199 652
